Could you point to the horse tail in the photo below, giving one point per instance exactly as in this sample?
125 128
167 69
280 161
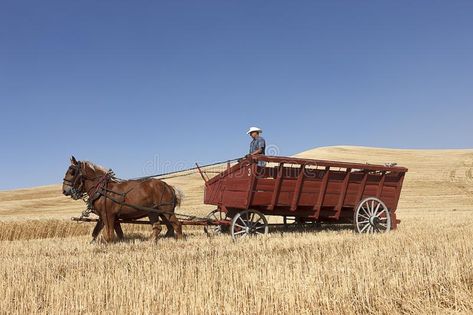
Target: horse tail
178 196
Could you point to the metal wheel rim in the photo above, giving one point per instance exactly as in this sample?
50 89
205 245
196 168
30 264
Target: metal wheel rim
248 223
372 216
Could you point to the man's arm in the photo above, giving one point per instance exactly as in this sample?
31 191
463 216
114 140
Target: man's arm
258 151
260 144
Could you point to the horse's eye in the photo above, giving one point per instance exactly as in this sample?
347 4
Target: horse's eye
73 172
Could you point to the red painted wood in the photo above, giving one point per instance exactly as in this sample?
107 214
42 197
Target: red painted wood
330 193
254 169
277 187
320 198
325 163
297 191
396 200
361 189
398 190
381 185
343 193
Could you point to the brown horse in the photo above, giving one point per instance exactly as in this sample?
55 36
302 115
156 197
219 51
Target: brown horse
112 199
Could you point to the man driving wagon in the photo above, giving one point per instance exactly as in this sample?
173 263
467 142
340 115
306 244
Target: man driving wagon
258 144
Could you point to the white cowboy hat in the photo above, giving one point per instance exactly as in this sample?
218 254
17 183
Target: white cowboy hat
254 129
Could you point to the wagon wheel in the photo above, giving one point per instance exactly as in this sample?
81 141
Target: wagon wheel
248 222
216 215
372 216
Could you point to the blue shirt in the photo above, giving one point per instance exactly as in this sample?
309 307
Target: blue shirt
256 144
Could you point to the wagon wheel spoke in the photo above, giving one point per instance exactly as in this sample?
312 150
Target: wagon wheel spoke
220 216
248 222
377 208
367 212
372 216
259 227
382 211
364 228
243 221
216 215
379 228
254 224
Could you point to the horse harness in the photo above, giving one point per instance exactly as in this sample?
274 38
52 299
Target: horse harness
100 189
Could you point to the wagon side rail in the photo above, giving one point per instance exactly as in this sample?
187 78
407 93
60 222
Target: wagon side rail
327 163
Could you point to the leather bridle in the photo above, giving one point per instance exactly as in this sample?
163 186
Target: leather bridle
76 192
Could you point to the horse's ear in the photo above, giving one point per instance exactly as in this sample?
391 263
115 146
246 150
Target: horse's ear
73 160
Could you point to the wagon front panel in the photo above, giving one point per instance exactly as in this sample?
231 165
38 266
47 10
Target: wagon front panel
230 188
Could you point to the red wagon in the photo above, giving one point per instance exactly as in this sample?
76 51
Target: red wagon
305 190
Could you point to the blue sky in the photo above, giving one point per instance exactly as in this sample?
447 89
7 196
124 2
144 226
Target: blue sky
124 83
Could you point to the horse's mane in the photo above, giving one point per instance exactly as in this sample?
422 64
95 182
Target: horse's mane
100 168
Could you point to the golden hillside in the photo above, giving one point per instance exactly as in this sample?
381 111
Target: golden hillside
438 180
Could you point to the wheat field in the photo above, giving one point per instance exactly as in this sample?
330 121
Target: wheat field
47 265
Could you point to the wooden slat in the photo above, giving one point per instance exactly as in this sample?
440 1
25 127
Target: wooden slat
254 168
398 190
394 221
361 166
381 185
343 193
277 186
321 196
297 190
362 189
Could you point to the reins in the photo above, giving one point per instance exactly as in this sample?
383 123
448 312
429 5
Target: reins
167 175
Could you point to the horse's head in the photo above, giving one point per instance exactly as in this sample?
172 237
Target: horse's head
73 182
78 172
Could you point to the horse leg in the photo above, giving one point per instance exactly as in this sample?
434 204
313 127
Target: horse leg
98 227
177 225
118 229
169 226
109 228
154 220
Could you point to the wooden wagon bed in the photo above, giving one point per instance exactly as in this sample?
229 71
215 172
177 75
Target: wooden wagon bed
312 189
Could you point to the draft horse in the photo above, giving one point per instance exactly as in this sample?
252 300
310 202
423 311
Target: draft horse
112 199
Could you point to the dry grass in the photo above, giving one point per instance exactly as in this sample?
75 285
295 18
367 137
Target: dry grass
421 268
424 267
38 229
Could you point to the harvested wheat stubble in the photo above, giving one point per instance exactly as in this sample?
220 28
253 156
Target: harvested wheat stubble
416 269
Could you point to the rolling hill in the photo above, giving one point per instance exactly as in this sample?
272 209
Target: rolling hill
437 181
